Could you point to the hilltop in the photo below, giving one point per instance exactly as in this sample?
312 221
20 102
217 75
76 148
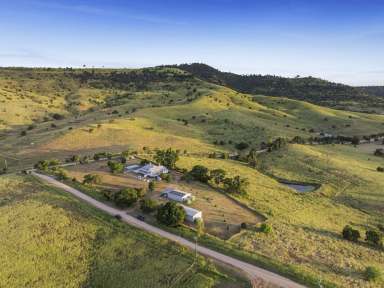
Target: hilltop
314 90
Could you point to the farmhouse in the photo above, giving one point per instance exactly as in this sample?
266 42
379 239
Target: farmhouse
192 214
151 170
176 195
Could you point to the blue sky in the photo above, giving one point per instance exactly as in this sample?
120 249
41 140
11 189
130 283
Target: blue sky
338 40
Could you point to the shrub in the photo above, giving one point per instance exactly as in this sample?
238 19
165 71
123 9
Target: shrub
243 225
91 179
237 185
126 197
23 133
380 169
151 186
74 158
115 167
372 273
171 214
148 205
218 175
266 228
373 237
351 234
166 177
241 145
200 173
57 116
61 174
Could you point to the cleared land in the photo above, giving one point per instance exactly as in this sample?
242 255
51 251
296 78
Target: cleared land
222 215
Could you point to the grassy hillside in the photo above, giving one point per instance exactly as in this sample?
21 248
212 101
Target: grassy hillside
50 239
163 107
307 227
309 89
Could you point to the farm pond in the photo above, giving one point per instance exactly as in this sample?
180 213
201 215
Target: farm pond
302 188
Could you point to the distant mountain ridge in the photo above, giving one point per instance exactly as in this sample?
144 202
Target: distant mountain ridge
311 89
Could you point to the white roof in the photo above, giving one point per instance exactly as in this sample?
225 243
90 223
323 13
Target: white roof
152 169
190 211
178 193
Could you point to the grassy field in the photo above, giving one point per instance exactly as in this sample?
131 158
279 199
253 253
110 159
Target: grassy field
188 114
50 239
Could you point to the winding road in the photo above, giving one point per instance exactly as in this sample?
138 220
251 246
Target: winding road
253 272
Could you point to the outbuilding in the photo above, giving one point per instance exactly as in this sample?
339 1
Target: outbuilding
192 214
176 195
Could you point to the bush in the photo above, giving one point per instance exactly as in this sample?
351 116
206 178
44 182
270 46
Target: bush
200 173
266 228
151 186
74 158
241 146
148 205
372 273
351 234
115 167
236 185
91 179
373 237
126 197
57 116
380 169
166 177
23 133
171 214
218 175
243 225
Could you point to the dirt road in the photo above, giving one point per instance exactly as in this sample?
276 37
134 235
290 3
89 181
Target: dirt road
252 271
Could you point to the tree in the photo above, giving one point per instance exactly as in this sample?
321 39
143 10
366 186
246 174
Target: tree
126 197
91 179
74 158
61 174
115 167
218 175
148 205
200 173
252 158
241 146
151 186
351 234
168 157
236 185
355 140
373 237
171 214
372 273
199 227
166 177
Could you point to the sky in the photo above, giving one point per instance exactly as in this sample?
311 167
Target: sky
337 40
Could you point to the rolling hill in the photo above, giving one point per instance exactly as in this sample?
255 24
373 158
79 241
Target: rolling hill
56 113
314 90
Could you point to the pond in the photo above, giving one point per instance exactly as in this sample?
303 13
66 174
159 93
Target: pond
302 188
